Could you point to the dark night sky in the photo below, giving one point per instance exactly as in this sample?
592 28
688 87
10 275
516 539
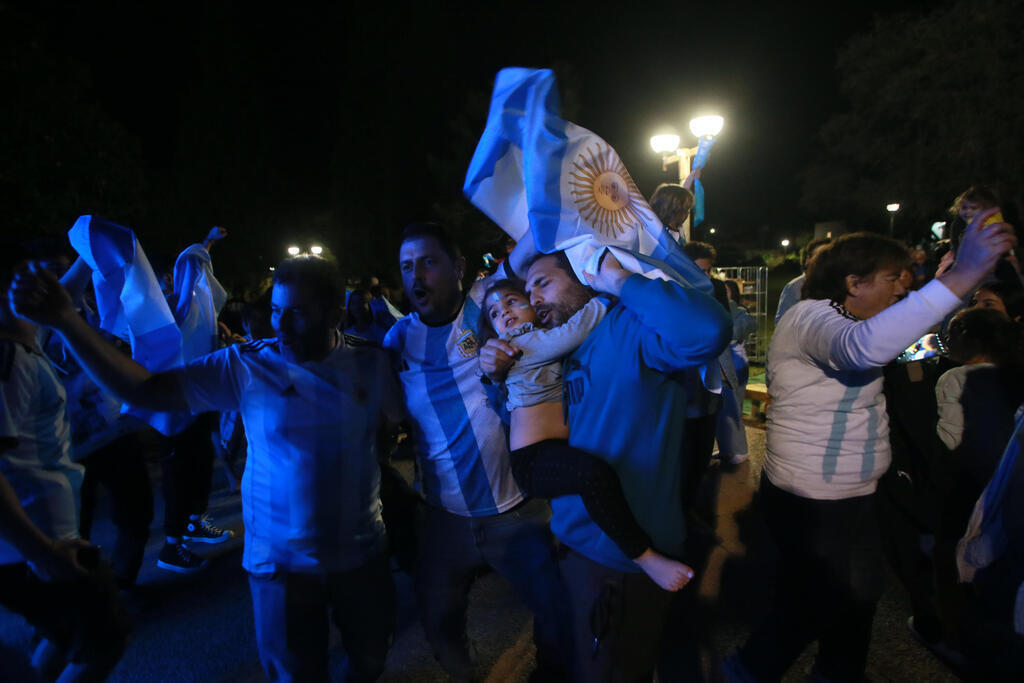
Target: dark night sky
351 100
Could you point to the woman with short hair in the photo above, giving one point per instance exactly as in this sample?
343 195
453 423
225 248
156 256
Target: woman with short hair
828 442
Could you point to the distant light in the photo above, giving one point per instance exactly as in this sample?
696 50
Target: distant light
294 251
667 143
316 250
892 208
271 268
706 126
785 243
712 231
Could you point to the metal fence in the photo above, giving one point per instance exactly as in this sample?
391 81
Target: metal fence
753 281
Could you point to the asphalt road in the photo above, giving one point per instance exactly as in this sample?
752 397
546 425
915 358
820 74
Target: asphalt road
199 628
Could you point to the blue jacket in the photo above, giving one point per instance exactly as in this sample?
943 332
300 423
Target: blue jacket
626 399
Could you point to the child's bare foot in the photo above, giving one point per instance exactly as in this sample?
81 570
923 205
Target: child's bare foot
667 573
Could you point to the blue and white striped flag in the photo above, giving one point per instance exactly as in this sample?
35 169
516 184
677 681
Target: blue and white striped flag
700 159
552 185
132 306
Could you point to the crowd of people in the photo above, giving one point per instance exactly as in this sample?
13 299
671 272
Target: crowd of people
606 397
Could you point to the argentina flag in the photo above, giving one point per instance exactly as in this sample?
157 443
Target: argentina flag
131 305
552 185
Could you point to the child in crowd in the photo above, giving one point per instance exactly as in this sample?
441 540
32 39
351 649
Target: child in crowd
976 406
1001 296
543 463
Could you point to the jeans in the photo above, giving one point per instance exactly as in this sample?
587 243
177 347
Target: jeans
291 610
518 544
830 579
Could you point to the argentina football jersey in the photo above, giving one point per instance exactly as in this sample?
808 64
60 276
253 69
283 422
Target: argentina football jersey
461 441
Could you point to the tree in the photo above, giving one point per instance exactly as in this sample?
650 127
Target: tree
61 155
936 104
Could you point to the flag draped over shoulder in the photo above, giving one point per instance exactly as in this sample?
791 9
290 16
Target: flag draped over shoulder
552 186
132 306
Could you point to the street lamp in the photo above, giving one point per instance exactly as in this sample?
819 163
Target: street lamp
706 126
785 246
892 209
666 143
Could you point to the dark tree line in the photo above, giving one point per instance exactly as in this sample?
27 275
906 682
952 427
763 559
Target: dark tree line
936 103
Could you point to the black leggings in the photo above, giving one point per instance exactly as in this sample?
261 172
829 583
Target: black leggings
553 468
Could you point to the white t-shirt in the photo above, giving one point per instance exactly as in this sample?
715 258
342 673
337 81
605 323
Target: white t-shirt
828 433
35 455
310 492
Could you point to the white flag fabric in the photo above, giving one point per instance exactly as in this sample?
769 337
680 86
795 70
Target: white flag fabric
132 306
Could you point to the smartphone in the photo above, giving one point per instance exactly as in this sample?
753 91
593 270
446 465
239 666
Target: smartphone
928 346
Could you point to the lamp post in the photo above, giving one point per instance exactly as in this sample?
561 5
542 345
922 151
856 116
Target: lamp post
892 209
785 247
666 143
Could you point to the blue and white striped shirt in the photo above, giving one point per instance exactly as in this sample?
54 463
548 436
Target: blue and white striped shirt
310 492
460 438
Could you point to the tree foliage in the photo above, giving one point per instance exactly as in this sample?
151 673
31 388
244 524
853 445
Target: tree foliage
936 104
61 155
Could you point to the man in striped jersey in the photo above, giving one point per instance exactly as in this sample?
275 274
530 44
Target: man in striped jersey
475 515
311 405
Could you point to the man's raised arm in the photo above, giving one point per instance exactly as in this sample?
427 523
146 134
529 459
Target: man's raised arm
37 295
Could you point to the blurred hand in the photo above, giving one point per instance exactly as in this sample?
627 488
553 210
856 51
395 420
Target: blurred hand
982 245
216 233
38 296
496 357
60 562
610 275
945 263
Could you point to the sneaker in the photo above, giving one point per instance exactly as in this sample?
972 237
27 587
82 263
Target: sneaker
177 557
202 530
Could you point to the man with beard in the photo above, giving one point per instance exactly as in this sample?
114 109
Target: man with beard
314 537
475 514
623 395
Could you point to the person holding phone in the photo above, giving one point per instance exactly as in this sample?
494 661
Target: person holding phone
828 442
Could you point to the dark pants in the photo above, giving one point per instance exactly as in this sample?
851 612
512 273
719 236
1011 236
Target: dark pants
698 445
187 469
291 611
121 468
618 621
517 543
82 617
553 468
829 580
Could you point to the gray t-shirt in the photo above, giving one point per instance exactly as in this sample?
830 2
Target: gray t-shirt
536 377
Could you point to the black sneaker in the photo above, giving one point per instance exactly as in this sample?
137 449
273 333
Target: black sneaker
202 530
177 557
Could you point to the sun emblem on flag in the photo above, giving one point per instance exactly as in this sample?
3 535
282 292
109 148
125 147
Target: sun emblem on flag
605 194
